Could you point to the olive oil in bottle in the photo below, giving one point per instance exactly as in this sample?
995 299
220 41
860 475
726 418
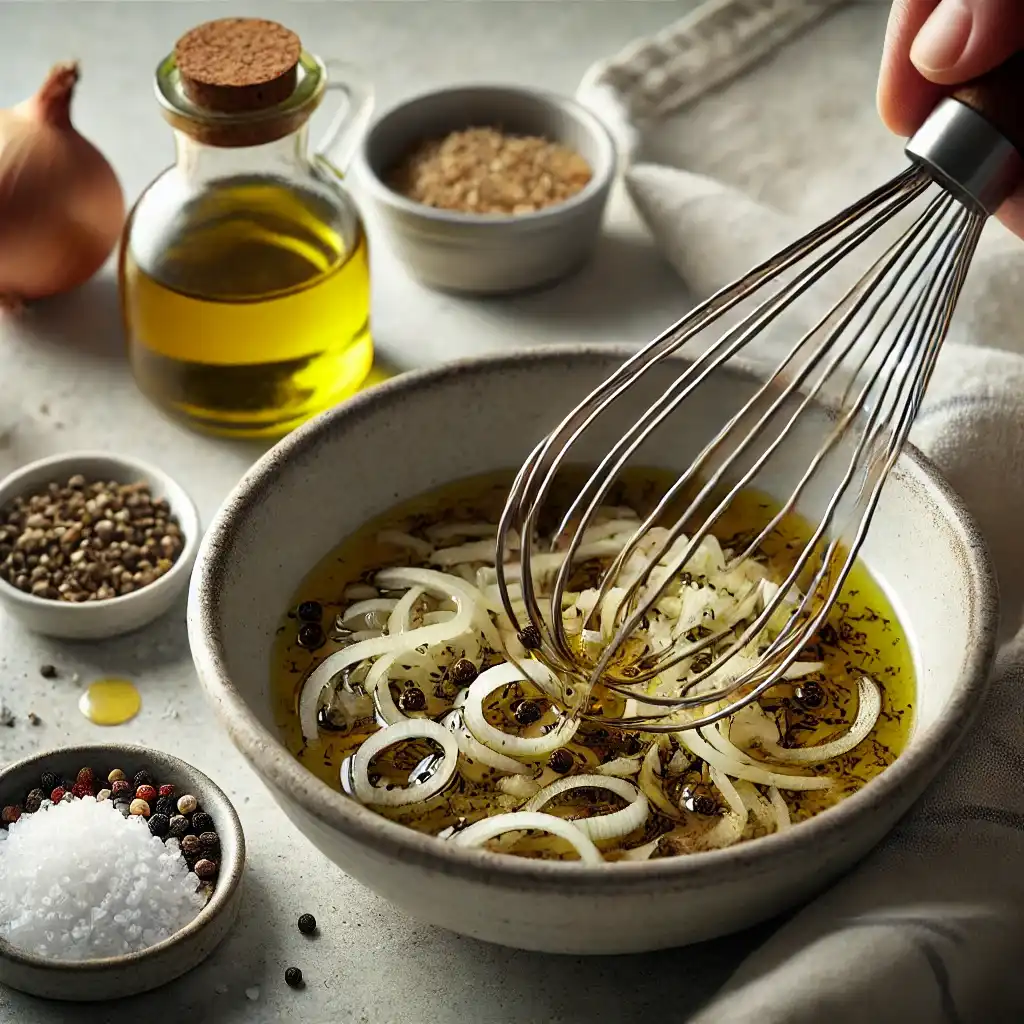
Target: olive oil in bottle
244 274
254 314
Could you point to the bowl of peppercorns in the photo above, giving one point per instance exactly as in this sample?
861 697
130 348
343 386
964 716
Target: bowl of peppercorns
93 545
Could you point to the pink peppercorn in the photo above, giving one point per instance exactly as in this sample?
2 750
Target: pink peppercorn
57 795
167 791
120 788
147 793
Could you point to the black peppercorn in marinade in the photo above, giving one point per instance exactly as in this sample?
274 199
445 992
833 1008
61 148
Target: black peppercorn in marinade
448 738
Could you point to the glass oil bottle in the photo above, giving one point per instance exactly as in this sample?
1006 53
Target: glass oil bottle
244 272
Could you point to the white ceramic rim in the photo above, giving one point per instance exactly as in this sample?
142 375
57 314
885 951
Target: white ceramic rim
181 505
600 181
232 872
802 845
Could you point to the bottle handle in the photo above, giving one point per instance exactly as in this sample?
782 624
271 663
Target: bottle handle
339 143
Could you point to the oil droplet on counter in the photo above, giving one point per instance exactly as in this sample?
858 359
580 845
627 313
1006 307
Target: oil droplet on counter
110 702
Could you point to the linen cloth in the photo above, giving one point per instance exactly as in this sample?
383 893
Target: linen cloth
741 126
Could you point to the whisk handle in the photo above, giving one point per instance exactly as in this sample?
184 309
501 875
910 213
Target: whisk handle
999 97
973 142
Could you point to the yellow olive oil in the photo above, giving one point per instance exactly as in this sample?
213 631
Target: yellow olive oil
862 637
110 702
248 311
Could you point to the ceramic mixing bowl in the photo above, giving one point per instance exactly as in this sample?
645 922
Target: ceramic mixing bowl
423 430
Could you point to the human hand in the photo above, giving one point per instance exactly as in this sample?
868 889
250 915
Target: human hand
931 46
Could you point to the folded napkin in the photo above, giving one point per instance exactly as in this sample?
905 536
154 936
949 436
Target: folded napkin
741 126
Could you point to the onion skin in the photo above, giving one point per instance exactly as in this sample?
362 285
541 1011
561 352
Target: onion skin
61 206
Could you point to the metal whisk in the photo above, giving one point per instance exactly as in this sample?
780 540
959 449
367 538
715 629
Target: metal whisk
872 354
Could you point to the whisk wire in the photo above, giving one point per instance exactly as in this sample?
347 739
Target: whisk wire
527 492
876 346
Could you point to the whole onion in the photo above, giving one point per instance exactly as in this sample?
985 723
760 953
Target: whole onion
61 205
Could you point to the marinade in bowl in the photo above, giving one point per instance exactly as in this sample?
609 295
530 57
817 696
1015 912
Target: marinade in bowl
441 733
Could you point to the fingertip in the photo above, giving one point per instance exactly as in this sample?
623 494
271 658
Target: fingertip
904 96
905 100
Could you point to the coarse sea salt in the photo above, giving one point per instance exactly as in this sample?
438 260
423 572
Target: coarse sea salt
78 882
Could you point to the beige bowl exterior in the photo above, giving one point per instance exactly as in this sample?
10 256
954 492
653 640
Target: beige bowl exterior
426 429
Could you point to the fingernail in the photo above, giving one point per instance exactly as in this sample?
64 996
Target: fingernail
943 37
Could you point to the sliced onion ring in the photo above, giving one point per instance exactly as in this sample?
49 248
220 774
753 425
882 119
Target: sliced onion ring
400 619
692 739
780 807
600 826
378 686
649 780
729 829
370 605
467 599
397 796
869 707
489 828
472 748
500 675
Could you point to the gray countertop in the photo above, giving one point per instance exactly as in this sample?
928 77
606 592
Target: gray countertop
64 384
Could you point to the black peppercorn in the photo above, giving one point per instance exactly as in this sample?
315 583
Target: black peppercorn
463 672
412 699
307 924
526 712
698 801
293 977
34 800
190 846
166 805
201 822
159 825
49 782
142 779
48 671
209 844
178 826
332 719
311 636
705 805
810 694
560 761
530 638
311 611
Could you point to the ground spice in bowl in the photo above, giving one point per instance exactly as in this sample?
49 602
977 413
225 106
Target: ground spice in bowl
87 540
485 171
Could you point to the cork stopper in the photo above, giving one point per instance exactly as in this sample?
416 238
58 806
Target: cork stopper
235 65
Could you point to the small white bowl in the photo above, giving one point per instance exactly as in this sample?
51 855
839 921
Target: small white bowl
473 254
119 976
97 620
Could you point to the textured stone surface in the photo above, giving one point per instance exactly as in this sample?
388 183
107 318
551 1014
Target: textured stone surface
64 384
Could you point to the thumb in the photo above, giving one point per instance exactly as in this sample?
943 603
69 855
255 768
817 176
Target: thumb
965 38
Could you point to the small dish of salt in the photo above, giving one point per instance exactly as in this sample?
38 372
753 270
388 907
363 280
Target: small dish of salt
94 903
